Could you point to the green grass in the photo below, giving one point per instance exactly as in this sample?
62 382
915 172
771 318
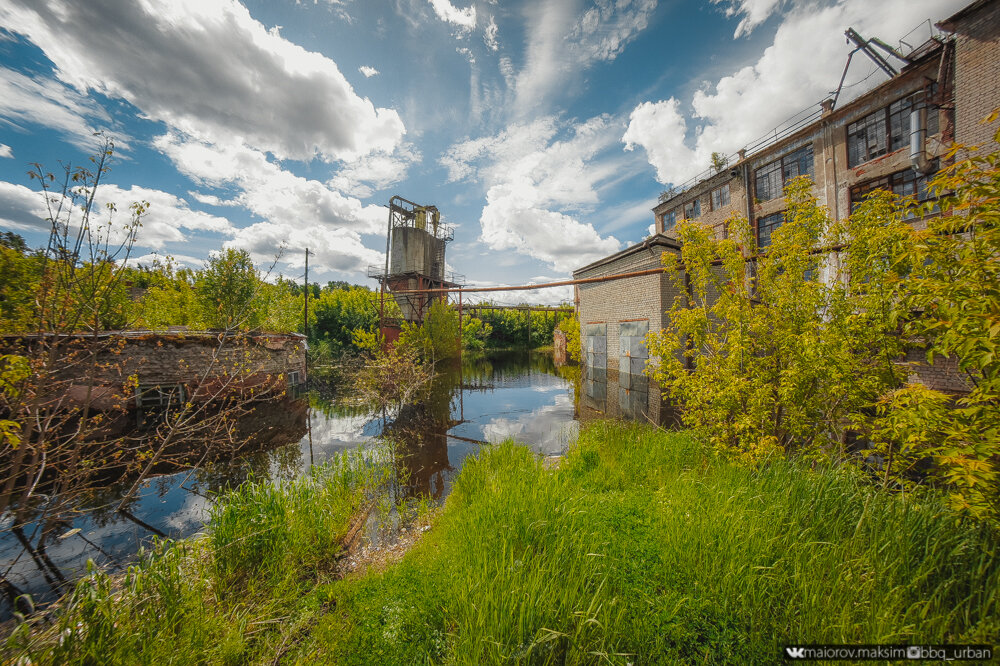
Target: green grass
639 549
642 550
243 593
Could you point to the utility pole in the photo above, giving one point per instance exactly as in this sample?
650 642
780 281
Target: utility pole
305 316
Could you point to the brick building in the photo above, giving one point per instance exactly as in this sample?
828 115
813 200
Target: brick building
895 136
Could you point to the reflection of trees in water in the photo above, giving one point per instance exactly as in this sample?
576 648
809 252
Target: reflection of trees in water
420 435
265 439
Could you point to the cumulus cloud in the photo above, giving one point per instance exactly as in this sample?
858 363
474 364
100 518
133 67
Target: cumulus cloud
563 41
166 220
5 150
463 18
267 190
26 100
369 72
375 172
22 208
207 68
800 68
659 127
535 180
330 249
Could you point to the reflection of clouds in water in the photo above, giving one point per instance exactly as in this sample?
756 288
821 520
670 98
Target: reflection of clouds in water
336 433
189 516
548 429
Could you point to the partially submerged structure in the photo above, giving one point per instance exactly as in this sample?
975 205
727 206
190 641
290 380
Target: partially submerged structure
414 263
149 369
894 137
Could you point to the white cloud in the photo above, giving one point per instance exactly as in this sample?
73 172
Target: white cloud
266 189
800 67
207 68
463 18
166 220
22 208
659 127
754 12
374 172
369 72
490 35
533 179
562 43
5 150
25 100
330 249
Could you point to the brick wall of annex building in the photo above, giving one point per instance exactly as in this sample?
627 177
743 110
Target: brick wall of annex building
977 75
644 297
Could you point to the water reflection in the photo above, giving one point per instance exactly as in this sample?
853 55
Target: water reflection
485 399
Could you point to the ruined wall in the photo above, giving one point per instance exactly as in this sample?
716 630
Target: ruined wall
171 359
977 74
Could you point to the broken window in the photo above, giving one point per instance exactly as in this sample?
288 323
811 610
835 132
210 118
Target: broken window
669 219
692 209
720 197
887 129
904 183
770 179
766 226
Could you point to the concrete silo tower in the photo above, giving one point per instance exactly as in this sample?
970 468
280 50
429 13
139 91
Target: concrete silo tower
414 262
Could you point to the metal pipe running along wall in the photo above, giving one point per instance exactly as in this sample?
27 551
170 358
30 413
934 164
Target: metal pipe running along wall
541 285
605 278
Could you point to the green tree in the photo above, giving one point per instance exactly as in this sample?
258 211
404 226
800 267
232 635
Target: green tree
570 326
228 288
955 291
764 355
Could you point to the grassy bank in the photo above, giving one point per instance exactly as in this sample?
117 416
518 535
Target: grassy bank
245 592
639 549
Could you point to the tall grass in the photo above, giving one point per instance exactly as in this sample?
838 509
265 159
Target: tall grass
243 593
642 549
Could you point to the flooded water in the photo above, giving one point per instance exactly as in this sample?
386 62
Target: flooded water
486 399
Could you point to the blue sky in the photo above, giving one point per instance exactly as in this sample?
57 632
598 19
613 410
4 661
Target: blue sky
544 130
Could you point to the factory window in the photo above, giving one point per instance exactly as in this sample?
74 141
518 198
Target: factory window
669 219
904 183
720 197
887 129
766 226
692 209
770 179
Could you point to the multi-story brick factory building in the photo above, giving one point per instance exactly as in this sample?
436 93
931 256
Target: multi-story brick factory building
895 136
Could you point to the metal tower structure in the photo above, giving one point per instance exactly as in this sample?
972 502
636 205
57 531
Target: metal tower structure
414 261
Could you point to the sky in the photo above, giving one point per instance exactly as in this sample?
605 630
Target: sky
543 130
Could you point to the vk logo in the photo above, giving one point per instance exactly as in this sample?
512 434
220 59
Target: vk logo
795 652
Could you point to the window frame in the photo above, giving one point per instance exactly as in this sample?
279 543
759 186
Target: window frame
894 119
717 201
897 183
783 168
695 205
779 216
672 214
